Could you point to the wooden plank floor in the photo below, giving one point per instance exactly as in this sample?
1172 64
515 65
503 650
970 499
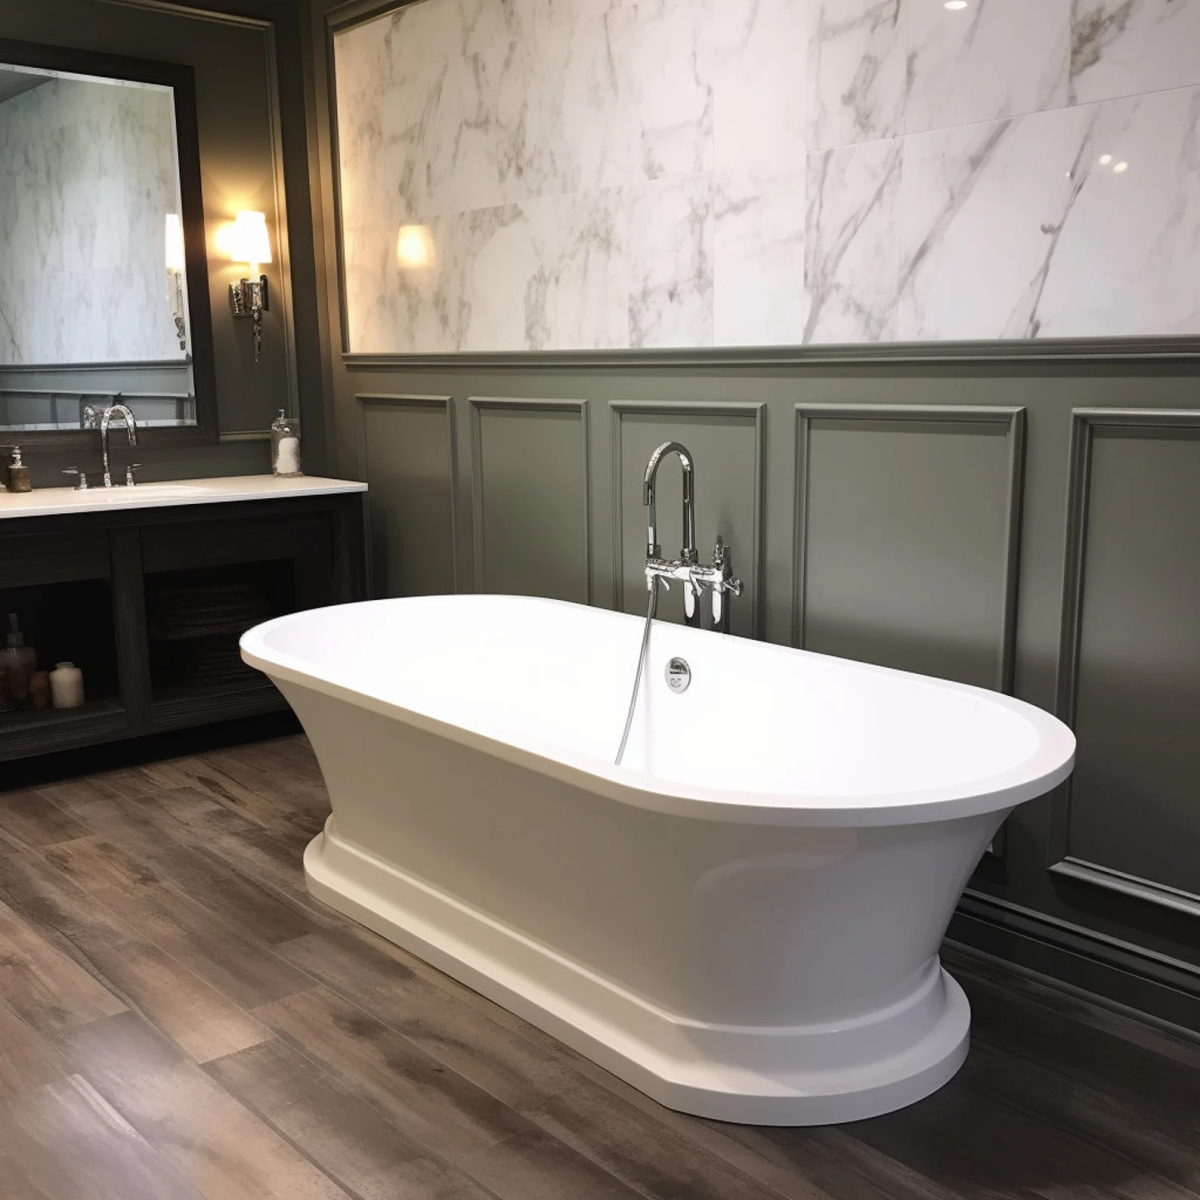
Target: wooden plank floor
179 1019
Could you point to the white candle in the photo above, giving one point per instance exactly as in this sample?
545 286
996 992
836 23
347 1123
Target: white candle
66 685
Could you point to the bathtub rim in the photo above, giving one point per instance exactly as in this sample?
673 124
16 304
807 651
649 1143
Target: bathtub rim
1044 771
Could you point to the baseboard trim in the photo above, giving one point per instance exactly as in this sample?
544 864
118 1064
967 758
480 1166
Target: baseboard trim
1096 966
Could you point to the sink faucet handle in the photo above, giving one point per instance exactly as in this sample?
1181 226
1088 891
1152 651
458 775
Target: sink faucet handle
81 482
130 478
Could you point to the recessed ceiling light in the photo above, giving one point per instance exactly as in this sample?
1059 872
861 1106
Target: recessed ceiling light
955 5
1105 159
1120 168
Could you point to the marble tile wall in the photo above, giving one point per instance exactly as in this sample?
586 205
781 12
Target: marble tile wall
590 174
87 176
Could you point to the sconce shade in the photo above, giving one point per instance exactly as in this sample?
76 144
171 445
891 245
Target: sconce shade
248 241
174 243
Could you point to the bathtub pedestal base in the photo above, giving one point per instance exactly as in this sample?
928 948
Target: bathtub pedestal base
799 1075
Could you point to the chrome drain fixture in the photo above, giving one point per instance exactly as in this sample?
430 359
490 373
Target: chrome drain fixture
678 674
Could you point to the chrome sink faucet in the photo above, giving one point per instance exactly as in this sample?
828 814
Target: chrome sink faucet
717 578
130 427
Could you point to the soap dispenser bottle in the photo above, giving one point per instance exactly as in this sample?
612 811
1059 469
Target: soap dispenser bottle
18 473
285 446
18 662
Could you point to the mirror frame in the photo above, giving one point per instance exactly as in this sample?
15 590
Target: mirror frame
181 79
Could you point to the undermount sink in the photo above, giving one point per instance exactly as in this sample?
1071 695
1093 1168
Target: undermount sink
142 493
149 490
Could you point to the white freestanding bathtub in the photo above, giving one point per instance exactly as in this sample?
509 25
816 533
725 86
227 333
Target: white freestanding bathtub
743 920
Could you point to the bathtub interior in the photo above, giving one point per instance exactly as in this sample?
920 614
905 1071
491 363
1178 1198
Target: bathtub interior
755 719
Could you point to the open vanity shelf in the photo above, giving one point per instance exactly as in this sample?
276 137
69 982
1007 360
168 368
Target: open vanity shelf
150 603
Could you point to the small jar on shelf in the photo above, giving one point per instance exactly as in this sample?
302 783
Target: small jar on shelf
285 446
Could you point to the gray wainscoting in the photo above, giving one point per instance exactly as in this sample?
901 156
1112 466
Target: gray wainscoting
1024 525
406 450
529 494
906 536
1129 676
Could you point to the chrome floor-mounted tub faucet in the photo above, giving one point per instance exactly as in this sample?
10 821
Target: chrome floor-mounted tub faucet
717 578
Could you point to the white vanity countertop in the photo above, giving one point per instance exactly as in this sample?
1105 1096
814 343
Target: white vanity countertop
62 501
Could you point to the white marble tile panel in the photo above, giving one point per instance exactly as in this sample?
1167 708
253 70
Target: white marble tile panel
1081 222
759 90
852 262
564 120
362 56
994 58
671 263
1123 47
548 274
979 207
758 260
587 271
484 22
375 316
1126 258
666 57
424 33
856 72
438 139
673 173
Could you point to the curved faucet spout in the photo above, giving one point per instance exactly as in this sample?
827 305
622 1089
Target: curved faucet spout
126 415
688 553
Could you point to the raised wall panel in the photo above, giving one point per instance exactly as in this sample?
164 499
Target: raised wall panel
406 457
1129 680
726 441
906 537
529 483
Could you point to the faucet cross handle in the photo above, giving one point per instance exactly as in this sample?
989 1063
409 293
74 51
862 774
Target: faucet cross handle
722 560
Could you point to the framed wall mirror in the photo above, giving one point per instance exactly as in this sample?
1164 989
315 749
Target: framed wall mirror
103 269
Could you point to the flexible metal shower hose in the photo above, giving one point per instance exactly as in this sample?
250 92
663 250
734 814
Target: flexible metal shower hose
651 608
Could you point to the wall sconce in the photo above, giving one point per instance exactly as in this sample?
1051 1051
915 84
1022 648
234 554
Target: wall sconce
175 270
249 243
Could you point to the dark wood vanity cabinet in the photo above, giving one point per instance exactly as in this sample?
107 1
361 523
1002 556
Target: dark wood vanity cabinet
150 603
